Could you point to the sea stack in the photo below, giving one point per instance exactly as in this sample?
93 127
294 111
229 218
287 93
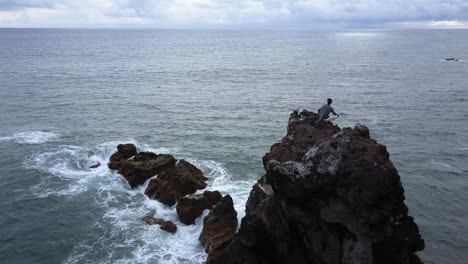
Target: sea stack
329 196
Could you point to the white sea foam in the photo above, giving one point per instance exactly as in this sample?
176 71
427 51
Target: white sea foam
70 175
71 164
31 137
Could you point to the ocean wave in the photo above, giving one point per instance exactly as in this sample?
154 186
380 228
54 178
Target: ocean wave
71 165
122 229
443 166
31 137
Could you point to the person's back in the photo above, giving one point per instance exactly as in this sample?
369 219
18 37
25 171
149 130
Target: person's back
325 111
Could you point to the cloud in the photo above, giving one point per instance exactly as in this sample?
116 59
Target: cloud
446 23
234 13
24 4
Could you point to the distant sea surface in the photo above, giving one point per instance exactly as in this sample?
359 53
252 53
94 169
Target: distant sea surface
219 99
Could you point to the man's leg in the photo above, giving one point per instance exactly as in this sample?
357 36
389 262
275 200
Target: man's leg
322 118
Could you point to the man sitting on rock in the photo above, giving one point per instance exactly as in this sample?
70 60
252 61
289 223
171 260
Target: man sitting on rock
325 110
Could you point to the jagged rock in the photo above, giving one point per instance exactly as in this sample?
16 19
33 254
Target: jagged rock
329 196
163 225
172 184
124 152
301 133
220 225
144 166
191 207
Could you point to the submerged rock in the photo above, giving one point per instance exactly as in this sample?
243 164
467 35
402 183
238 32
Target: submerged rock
220 225
174 183
163 225
329 196
191 207
95 166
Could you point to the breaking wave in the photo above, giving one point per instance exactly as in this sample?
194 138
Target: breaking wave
31 137
68 173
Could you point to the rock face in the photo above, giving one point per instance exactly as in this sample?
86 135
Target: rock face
163 225
144 166
191 207
329 196
220 225
124 152
174 183
175 179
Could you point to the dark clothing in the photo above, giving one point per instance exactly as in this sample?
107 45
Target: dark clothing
324 112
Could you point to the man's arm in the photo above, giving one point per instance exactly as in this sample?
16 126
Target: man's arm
333 112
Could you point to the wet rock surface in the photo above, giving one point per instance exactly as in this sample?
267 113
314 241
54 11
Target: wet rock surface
144 166
163 225
175 183
175 179
124 152
219 226
95 166
191 207
329 196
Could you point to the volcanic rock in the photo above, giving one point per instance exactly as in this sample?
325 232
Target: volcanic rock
163 225
174 183
124 152
220 225
301 133
144 166
329 196
191 207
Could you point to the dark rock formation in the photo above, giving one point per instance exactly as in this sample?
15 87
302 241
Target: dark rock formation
191 207
124 152
329 196
175 179
95 166
301 135
144 166
174 183
163 225
219 226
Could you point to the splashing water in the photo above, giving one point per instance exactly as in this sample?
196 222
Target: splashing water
124 207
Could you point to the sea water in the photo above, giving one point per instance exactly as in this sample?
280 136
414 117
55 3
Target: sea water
218 99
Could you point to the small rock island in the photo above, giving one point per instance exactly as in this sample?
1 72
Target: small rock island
328 196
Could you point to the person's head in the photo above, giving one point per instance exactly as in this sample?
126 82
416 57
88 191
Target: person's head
329 101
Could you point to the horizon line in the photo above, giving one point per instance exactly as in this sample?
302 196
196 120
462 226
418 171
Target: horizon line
237 28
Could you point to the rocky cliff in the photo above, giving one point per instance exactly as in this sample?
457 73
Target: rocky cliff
329 196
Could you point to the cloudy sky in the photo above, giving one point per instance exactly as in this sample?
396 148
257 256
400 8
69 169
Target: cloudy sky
235 13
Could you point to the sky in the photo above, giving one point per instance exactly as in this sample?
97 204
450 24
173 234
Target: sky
287 14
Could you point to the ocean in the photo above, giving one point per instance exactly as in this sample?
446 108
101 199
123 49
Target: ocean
218 99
